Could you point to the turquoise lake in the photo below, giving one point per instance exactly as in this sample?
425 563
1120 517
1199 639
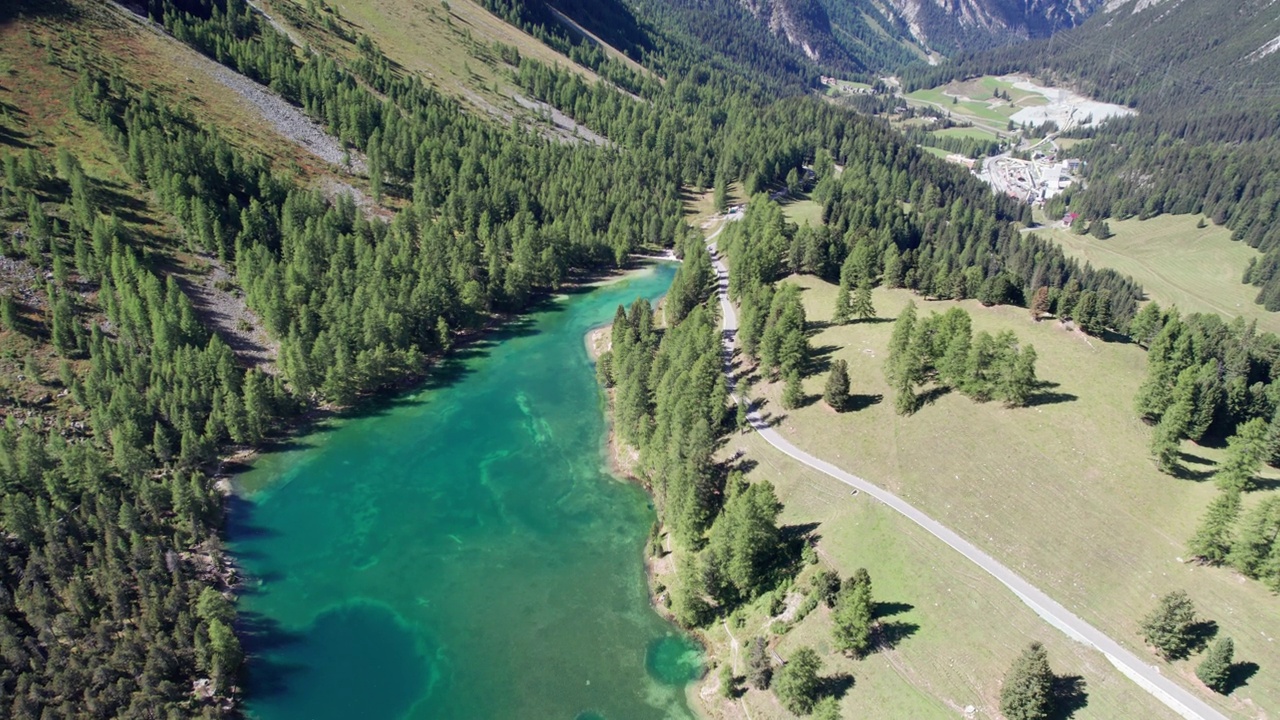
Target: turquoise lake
461 551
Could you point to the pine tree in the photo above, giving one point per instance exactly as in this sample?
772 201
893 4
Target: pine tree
797 683
1147 324
863 307
9 314
1019 379
728 683
843 311
828 708
759 666
1027 691
853 616
836 392
1212 541
1040 303
1246 451
793 391
1215 669
1256 552
1169 627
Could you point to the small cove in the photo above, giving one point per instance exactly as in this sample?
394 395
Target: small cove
461 551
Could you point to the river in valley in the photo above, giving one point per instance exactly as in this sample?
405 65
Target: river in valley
461 552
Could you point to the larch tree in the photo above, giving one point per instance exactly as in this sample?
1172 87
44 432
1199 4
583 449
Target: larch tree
797 683
793 391
759 666
1018 380
1027 691
1215 669
1040 303
836 392
1147 324
1256 551
1169 627
853 616
1212 541
863 308
842 313
1246 451
828 708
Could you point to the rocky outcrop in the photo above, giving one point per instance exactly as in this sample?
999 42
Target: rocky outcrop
950 25
804 23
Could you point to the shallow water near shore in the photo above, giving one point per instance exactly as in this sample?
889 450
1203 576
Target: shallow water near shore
461 551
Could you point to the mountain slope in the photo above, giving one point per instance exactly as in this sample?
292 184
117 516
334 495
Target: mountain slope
870 36
950 26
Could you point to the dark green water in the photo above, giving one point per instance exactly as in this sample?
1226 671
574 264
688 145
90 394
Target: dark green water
461 552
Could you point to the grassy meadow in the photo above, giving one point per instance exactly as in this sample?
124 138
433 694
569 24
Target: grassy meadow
1063 491
950 652
1177 263
802 209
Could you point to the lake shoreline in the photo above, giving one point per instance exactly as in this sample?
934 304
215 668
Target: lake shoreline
234 460
516 366
622 460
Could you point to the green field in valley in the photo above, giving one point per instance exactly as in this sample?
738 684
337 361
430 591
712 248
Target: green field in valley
1177 263
802 210
976 133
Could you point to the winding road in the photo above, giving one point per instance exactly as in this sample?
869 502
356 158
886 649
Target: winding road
1147 676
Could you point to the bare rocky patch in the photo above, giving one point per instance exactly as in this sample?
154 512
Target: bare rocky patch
222 307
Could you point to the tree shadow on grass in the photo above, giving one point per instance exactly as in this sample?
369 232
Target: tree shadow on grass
768 419
1182 472
14 138
1238 676
1260 484
889 609
891 634
820 358
862 402
1069 696
1201 633
791 542
930 396
836 686
1050 398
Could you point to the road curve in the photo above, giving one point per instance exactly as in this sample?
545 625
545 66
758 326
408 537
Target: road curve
1144 674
